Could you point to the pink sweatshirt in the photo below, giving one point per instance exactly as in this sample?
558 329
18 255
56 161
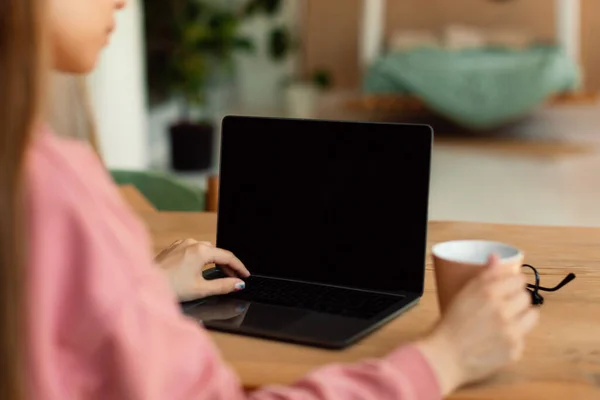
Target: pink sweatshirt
104 323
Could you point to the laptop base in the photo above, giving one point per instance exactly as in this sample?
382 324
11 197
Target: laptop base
289 324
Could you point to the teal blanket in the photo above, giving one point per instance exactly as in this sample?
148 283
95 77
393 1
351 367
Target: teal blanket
479 89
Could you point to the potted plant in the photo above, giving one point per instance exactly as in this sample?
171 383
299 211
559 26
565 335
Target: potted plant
190 53
301 92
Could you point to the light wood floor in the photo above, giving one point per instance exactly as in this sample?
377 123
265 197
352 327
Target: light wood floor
549 176
548 185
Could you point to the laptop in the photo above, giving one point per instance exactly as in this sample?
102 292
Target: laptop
330 218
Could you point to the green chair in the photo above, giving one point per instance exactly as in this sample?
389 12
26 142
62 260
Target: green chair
164 192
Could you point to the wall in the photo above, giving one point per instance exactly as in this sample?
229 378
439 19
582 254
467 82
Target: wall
590 31
260 79
331 39
535 15
333 28
118 93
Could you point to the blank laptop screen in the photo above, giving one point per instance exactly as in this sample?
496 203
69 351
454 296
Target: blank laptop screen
339 203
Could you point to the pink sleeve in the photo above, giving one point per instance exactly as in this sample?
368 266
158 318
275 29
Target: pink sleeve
154 353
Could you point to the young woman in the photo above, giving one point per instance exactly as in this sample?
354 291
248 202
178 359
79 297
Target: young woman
87 313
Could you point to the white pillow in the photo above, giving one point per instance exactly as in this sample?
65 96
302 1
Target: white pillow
461 37
408 40
509 38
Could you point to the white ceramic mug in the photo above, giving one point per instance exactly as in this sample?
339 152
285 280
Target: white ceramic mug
456 262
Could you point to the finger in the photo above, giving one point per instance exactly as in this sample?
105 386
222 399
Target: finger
493 260
518 304
506 287
227 259
219 287
194 245
528 320
231 272
495 269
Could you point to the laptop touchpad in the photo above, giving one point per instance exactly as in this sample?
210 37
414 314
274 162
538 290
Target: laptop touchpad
232 314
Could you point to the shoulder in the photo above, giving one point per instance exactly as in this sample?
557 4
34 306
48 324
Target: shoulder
63 170
82 236
67 177
90 265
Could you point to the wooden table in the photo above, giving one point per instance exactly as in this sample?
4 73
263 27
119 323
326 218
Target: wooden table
136 199
562 360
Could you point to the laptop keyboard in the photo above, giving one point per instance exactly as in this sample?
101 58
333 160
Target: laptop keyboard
325 299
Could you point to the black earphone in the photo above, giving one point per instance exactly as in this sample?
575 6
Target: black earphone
536 297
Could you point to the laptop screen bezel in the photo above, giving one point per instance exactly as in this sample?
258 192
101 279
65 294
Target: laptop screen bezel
426 129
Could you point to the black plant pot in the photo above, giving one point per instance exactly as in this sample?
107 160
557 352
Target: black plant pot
191 146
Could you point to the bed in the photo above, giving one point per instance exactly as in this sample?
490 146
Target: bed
476 78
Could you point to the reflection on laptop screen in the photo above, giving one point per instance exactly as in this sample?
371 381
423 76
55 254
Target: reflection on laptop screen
332 202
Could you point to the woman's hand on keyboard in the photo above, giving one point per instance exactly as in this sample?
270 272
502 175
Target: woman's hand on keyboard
184 261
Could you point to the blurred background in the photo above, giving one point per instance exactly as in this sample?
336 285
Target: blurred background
509 86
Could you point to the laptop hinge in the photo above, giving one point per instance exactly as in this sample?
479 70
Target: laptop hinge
404 294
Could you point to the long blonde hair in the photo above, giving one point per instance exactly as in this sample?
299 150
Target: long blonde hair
70 111
22 66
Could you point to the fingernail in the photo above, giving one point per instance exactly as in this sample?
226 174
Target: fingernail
240 308
240 286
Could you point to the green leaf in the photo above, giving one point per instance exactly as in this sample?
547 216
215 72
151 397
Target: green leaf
251 8
194 33
280 43
194 37
222 22
322 78
192 10
244 43
271 6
